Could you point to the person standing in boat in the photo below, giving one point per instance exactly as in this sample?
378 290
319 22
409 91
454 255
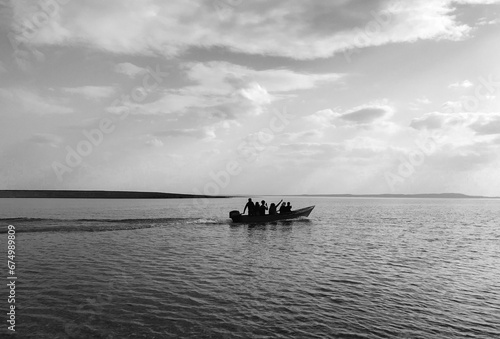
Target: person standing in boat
288 207
250 206
273 207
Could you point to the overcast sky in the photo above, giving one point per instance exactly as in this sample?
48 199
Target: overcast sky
257 97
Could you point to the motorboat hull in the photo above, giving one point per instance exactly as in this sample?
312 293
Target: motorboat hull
248 219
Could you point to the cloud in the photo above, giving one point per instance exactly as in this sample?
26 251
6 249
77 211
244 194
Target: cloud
361 115
31 101
196 133
304 135
486 124
91 92
154 142
463 141
2 67
418 103
325 117
366 114
46 139
477 2
293 29
311 150
218 75
256 93
225 91
423 100
129 69
461 84
170 101
479 123
433 120
485 21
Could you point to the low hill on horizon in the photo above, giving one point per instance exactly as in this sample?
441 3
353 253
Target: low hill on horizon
83 194
419 195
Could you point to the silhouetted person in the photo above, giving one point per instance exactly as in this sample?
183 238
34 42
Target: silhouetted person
257 208
263 207
273 207
283 208
251 207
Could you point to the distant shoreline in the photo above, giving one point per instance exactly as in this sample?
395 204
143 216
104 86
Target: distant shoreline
403 196
76 194
425 195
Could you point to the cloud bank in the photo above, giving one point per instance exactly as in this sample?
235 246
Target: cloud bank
293 29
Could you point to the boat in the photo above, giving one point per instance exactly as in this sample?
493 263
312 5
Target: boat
236 216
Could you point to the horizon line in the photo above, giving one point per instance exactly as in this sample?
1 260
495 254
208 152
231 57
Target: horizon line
159 195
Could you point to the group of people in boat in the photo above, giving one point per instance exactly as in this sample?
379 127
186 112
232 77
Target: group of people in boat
260 209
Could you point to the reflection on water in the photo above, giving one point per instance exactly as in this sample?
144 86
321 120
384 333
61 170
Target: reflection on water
366 268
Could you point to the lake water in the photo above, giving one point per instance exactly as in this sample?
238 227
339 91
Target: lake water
356 268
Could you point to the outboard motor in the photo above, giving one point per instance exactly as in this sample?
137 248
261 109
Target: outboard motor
235 215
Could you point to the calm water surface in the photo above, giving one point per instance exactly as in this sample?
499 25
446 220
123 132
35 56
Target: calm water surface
356 268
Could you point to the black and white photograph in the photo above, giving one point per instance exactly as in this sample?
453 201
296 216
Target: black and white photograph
250 169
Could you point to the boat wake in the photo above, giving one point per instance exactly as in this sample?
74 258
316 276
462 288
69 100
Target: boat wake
28 225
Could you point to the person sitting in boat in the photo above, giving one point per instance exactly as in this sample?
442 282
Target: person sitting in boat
286 208
263 207
251 207
273 208
257 209
283 208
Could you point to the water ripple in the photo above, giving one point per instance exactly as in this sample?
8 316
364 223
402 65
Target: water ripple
356 269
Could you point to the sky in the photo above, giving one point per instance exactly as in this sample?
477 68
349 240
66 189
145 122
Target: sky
251 97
